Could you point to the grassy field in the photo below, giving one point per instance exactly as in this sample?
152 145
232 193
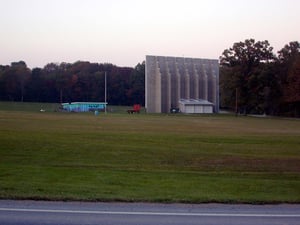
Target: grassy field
140 157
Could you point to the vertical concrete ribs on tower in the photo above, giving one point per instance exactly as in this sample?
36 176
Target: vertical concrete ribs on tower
171 79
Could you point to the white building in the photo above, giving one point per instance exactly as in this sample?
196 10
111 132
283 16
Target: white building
195 106
170 79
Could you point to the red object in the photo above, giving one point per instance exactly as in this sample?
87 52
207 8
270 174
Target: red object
136 109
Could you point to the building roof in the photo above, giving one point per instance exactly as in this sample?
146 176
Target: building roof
195 102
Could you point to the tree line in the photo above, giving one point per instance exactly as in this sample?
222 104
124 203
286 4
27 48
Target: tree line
252 80
79 81
255 80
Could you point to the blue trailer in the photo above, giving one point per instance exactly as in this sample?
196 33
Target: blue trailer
84 106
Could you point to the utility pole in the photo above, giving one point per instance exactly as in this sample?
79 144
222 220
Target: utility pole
105 92
236 102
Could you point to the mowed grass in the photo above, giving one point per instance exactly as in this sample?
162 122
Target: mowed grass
144 157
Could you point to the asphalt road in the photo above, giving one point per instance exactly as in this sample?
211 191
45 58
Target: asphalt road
75 213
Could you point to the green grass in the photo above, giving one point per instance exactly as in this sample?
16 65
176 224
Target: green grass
160 158
28 106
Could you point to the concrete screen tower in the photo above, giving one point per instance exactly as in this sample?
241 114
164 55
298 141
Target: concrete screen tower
171 79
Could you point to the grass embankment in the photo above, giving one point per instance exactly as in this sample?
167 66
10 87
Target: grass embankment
169 158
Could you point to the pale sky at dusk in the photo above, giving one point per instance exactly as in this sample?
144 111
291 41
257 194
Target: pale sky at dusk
122 32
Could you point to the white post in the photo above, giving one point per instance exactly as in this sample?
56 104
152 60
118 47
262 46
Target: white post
105 93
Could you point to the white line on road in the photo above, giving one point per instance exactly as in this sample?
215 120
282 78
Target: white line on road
150 213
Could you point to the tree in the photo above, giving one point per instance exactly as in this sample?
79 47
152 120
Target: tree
50 72
136 92
288 70
289 53
243 65
286 57
3 91
14 80
35 86
292 89
118 85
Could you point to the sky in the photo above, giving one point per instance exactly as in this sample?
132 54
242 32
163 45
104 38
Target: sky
122 32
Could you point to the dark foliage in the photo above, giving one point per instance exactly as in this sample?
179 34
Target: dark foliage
65 82
254 80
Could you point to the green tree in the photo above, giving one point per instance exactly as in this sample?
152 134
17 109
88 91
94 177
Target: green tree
15 78
289 77
292 90
3 93
35 85
243 65
136 91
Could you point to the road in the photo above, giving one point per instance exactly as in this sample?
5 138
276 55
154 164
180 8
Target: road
80 213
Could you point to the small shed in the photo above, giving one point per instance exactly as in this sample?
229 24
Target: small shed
195 106
84 106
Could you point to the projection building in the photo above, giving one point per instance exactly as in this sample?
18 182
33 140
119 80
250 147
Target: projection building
190 84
